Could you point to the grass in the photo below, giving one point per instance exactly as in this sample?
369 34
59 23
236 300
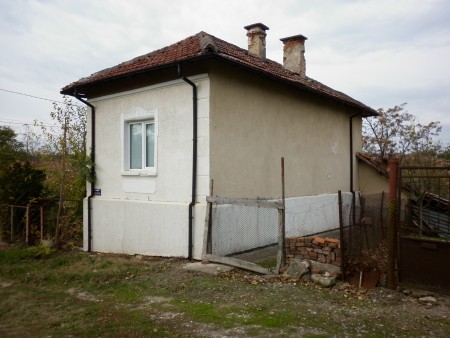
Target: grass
90 295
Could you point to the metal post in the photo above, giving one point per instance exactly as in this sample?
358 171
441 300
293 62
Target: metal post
283 219
209 211
341 235
281 256
392 224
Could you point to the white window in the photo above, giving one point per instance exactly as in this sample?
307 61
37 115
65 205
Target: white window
140 143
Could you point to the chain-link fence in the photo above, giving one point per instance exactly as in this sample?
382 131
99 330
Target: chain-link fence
363 231
363 222
245 229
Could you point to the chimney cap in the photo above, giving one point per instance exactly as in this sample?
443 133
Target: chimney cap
258 24
294 37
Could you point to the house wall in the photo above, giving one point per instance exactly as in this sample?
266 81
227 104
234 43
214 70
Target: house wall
149 214
254 122
371 182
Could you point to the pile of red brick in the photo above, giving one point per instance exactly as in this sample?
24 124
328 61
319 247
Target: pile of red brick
323 250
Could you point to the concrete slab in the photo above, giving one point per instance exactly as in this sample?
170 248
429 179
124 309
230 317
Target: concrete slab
211 268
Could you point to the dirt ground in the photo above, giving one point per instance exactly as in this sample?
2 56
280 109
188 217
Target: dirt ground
75 294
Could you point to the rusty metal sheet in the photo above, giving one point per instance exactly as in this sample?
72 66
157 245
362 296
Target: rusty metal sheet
424 262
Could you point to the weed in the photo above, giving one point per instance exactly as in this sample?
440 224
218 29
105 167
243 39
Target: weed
116 296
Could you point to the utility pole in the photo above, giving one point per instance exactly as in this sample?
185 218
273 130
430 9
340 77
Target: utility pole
62 183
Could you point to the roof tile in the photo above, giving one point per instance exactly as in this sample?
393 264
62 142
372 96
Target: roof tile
203 44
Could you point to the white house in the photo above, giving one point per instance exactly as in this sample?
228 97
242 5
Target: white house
164 124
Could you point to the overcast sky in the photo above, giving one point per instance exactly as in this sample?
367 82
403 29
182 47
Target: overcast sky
381 52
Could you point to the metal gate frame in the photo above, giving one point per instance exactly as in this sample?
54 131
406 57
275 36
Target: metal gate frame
423 226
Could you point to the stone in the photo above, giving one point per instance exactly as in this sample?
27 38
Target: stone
211 268
298 269
407 292
324 281
318 268
420 293
427 299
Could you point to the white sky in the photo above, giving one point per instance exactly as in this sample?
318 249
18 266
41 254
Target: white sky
381 52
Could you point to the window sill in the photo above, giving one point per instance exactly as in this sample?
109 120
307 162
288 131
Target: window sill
143 173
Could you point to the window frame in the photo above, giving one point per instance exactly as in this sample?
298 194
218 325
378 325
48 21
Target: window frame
144 118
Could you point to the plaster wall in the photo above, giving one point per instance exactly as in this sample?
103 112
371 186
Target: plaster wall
370 181
254 122
147 213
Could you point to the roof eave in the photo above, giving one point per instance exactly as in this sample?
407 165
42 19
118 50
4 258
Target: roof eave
72 89
76 89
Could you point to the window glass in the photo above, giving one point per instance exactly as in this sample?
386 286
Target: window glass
150 145
135 146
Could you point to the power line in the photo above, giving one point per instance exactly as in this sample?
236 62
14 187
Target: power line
25 123
35 97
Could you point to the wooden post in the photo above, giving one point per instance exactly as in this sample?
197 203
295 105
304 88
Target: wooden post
27 225
281 257
392 224
381 216
42 221
12 224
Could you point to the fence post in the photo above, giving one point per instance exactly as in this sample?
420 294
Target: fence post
41 209
283 215
281 255
381 215
341 235
392 226
27 225
12 224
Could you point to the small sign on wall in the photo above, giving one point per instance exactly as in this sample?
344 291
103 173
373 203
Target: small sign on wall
97 192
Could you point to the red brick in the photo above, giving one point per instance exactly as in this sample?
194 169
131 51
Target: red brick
319 240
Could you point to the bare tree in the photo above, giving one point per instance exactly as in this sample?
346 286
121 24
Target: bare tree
397 132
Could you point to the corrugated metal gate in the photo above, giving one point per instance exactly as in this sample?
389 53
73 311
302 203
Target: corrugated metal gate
424 226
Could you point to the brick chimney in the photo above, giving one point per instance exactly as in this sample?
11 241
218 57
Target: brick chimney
257 39
294 54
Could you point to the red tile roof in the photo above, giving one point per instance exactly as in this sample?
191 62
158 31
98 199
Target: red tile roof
203 45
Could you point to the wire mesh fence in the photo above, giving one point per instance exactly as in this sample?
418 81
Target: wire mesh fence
245 229
35 221
364 223
363 233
